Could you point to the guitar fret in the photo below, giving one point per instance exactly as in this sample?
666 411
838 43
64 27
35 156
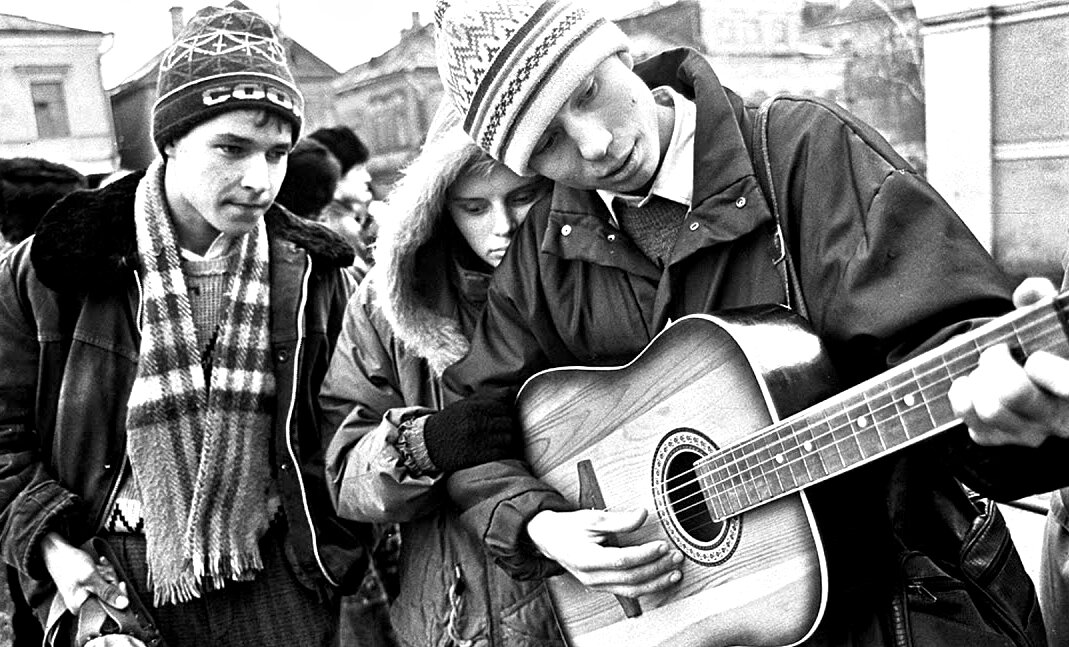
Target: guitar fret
862 424
868 439
843 434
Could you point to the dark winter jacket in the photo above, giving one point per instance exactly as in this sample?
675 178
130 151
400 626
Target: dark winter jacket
69 343
412 318
887 269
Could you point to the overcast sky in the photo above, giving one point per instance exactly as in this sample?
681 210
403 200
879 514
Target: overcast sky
343 33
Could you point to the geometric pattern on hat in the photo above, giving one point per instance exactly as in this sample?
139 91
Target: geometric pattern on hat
508 66
237 33
225 58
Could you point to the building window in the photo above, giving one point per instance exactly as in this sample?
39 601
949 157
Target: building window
50 110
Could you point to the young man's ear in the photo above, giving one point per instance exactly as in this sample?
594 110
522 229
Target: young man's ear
628 60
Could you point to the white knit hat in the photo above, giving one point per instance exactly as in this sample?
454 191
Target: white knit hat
509 65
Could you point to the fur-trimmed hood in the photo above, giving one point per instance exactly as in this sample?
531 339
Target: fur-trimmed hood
88 238
409 269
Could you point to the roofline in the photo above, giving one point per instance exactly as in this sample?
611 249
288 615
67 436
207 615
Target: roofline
55 28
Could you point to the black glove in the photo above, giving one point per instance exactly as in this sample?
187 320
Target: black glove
471 432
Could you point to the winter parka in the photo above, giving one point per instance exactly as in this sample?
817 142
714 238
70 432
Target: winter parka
69 345
410 320
886 269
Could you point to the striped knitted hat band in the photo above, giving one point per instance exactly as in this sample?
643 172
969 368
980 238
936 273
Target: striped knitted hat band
509 65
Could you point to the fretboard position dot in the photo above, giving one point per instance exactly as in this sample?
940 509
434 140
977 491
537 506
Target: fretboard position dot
808 445
780 459
910 400
863 421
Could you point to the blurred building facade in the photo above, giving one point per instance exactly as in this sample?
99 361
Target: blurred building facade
52 100
389 101
997 112
131 100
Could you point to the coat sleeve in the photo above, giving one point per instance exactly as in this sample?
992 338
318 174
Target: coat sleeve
363 406
496 500
889 270
32 502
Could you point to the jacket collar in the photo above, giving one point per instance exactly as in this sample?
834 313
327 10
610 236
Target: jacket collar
87 239
723 171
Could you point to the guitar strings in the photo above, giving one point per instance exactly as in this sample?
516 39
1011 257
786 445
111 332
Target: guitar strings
700 506
716 484
702 490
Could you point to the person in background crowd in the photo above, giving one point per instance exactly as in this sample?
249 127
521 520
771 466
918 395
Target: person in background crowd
312 175
163 340
311 181
348 213
28 188
452 217
657 213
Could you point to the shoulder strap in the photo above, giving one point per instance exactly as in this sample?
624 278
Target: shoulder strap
792 287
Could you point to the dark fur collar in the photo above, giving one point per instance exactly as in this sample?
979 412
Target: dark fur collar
88 238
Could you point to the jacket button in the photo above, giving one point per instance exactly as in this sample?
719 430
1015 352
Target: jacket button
565 230
740 203
285 467
694 226
282 355
612 238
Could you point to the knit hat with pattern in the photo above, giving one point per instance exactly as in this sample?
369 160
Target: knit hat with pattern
509 65
226 58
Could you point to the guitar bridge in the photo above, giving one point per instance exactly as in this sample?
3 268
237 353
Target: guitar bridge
590 497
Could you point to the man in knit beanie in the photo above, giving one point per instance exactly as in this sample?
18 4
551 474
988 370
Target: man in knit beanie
175 325
674 197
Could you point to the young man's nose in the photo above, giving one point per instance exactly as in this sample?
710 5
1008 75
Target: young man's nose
257 175
590 136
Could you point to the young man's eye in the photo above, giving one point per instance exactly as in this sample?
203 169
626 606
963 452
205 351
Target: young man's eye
589 92
229 149
277 155
544 144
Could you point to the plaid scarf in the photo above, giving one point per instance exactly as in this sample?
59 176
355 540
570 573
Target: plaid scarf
199 446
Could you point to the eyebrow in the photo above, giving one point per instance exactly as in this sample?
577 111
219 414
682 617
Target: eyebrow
231 138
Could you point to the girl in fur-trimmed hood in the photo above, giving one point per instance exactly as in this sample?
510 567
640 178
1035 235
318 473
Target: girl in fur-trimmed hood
450 219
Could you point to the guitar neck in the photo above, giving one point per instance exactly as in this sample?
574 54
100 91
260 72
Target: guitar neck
882 415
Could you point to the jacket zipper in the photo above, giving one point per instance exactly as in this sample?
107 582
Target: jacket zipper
289 418
117 483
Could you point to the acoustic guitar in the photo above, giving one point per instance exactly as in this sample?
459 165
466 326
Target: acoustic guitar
710 429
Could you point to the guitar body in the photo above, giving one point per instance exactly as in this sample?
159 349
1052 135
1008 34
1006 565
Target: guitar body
704 383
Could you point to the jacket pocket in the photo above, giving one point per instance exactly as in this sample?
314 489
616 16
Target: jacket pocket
529 620
936 609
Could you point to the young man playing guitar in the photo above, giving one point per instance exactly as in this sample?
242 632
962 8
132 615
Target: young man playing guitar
659 212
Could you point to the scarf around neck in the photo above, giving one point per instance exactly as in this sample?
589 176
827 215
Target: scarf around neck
198 445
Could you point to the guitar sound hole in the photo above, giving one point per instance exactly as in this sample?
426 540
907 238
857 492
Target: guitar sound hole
686 501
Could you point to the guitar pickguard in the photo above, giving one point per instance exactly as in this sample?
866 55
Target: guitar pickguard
680 505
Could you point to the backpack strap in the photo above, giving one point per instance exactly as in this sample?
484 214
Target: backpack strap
792 287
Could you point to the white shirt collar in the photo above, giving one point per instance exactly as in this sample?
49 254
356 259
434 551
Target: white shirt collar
221 246
675 179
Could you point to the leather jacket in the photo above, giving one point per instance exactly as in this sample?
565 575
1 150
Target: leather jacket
69 343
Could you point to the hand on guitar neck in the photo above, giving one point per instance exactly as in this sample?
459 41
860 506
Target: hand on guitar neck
1004 402
577 541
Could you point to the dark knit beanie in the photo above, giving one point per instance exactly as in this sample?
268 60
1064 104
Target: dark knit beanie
224 59
311 178
344 143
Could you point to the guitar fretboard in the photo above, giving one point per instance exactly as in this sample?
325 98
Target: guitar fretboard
879 416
